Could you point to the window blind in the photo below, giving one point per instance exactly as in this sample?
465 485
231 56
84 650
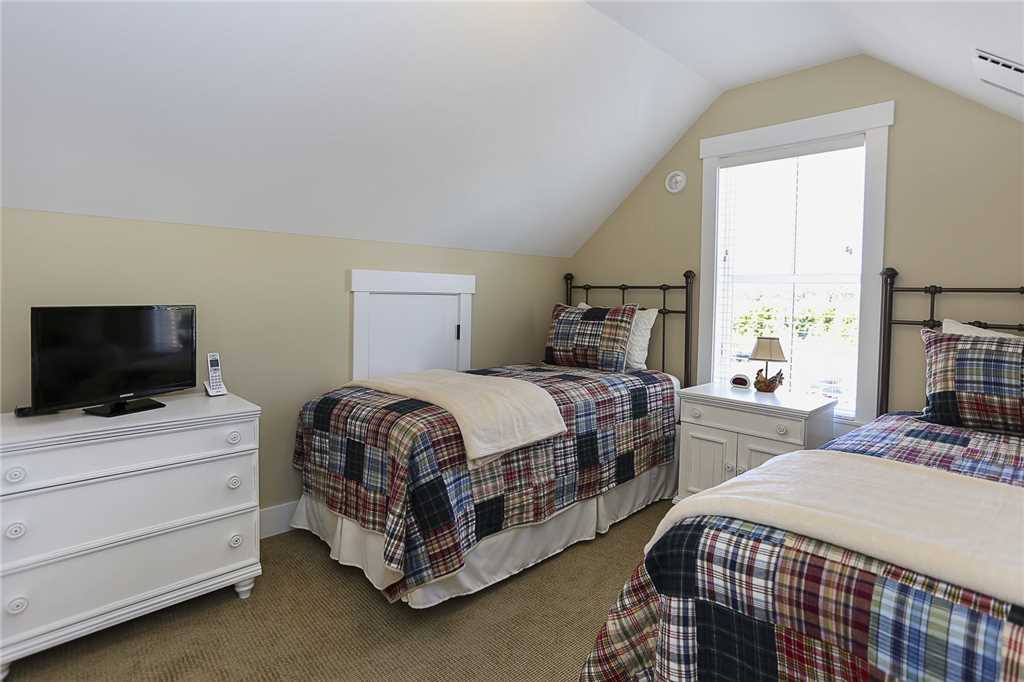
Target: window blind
789 237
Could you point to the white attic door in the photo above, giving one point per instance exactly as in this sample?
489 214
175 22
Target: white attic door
412 332
410 321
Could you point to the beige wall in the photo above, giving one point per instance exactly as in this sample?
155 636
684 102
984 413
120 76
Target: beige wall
275 306
954 206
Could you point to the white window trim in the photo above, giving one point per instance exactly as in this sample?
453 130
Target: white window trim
366 283
829 131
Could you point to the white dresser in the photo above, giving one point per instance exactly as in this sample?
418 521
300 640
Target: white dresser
105 519
726 431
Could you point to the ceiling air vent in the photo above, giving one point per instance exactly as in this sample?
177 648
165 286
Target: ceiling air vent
1003 73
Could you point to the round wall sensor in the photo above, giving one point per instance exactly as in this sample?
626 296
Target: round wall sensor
675 181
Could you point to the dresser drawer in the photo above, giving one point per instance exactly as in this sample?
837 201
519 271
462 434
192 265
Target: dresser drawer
62 592
741 421
44 521
32 469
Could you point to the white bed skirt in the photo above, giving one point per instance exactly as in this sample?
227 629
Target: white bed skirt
497 556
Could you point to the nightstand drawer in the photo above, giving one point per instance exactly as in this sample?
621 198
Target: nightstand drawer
754 424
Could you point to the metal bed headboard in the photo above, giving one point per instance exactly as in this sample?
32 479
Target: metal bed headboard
689 276
889 288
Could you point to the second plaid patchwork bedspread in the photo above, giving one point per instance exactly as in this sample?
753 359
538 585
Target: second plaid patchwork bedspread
398 466
726 599
905 437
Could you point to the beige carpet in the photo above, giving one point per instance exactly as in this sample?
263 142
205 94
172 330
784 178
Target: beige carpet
312 619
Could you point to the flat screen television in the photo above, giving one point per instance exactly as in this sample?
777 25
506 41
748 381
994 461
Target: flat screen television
111 357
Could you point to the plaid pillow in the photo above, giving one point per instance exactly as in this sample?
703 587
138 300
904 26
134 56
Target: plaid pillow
974 381
594 337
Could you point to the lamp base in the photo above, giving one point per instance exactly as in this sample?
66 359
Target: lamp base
765 385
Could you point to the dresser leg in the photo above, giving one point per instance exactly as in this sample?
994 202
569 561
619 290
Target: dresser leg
244 589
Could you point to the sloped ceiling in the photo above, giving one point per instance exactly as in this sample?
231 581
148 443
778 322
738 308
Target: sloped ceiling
734 43
507 127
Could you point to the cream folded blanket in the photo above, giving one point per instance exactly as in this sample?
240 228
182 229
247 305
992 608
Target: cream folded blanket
962 530
495 414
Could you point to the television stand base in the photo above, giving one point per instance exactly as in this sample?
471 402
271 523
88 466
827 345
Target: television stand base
116 409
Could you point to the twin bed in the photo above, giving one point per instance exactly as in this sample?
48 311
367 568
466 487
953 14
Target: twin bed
388 486
896 552
724 598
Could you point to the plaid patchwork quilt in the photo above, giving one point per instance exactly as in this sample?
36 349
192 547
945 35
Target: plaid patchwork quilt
906 437
725 599
398 466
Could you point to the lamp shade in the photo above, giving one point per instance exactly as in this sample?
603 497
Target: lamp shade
768 349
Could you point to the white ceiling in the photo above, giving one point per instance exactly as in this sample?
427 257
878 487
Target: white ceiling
734 43
506 127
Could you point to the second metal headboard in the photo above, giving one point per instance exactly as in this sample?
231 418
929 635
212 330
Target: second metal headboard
889 289
689 276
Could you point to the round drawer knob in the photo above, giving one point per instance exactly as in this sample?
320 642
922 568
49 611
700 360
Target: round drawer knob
16 475
234 482
729 468
15 530
17 605
234 437
781 429
235 541
695 413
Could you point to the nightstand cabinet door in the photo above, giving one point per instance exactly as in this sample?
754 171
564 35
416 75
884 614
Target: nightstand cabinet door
753 452
710 456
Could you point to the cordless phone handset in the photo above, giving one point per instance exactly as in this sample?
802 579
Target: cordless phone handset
215 386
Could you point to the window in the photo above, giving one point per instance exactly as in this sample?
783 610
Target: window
792 242
789 264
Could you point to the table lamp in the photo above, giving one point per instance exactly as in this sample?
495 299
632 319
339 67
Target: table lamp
768 349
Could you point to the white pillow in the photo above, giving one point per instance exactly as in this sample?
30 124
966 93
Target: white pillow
639 337
954 327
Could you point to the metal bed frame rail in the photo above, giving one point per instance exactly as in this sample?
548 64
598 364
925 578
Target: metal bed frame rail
689 276
889 289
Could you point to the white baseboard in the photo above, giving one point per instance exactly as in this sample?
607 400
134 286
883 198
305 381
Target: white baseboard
274 520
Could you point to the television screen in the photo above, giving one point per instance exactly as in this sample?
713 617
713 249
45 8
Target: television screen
90 355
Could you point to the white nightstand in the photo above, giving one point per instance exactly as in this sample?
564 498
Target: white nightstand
727 430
